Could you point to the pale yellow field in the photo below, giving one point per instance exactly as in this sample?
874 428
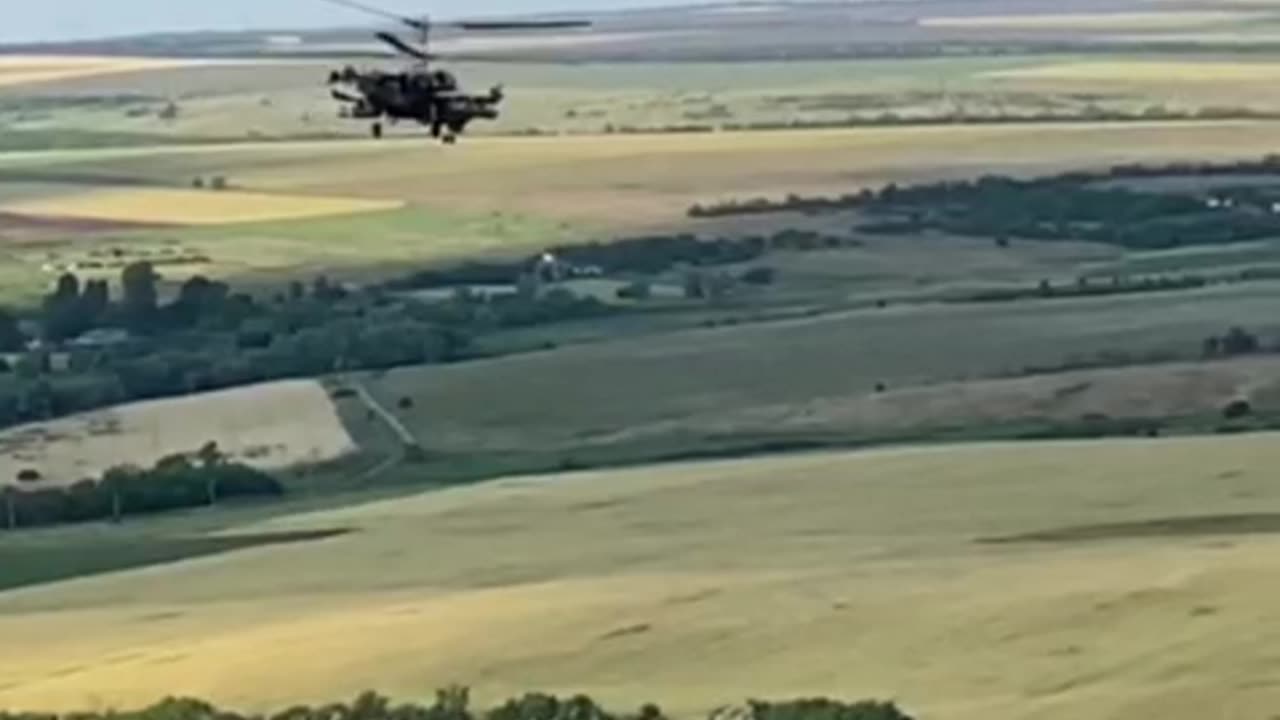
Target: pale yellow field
694 585
192 207
1156 19
32 69
273 425
1138 71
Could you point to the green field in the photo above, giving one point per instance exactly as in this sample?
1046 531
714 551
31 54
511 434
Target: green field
692 387
845 575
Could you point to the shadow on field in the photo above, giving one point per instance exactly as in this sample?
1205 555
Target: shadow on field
30 561
1202 525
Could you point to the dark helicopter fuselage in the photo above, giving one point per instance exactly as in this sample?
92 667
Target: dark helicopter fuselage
431 98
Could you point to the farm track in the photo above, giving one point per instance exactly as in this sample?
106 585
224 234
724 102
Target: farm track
389 418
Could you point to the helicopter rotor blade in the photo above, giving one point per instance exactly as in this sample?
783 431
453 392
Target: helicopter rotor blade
403 47
422 25
518 25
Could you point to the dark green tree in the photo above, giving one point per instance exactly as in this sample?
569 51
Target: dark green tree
138 282
63 315
11 337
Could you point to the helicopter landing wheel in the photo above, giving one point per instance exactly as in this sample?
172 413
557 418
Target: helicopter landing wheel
449 139
377 130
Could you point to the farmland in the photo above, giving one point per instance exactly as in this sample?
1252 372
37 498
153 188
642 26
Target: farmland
695 386
825 574
20 70
190 207
272 426
494 194
955 562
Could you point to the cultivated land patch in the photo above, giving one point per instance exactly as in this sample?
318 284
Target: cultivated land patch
611 183
274 425
191 207
697 385
50 558
1185 71
34 69
826 574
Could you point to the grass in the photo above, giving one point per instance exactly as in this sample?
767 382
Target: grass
50 559
828 574
357 245
699 383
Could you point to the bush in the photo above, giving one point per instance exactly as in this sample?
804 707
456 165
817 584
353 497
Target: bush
759 276
638 290
454 703
174 482
1237 409
825 709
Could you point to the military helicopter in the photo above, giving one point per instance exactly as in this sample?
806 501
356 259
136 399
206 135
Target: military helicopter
420 93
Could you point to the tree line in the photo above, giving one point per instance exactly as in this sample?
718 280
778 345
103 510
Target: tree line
1068 205
182 480
453 703
649 254
894 119
207 337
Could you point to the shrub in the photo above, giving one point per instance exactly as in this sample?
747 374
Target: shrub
454 703
1236 409
174 482
759 276
638 290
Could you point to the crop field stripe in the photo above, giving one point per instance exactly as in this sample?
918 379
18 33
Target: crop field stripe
192 207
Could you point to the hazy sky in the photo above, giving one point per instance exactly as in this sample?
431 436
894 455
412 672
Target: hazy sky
34 20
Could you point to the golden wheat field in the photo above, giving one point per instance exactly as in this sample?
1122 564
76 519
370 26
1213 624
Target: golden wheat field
273 425
839 574
35 69
191 207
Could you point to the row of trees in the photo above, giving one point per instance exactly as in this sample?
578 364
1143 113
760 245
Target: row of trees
648 254
178 481
1066 206
207 337
453 703
1089 287
894 119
